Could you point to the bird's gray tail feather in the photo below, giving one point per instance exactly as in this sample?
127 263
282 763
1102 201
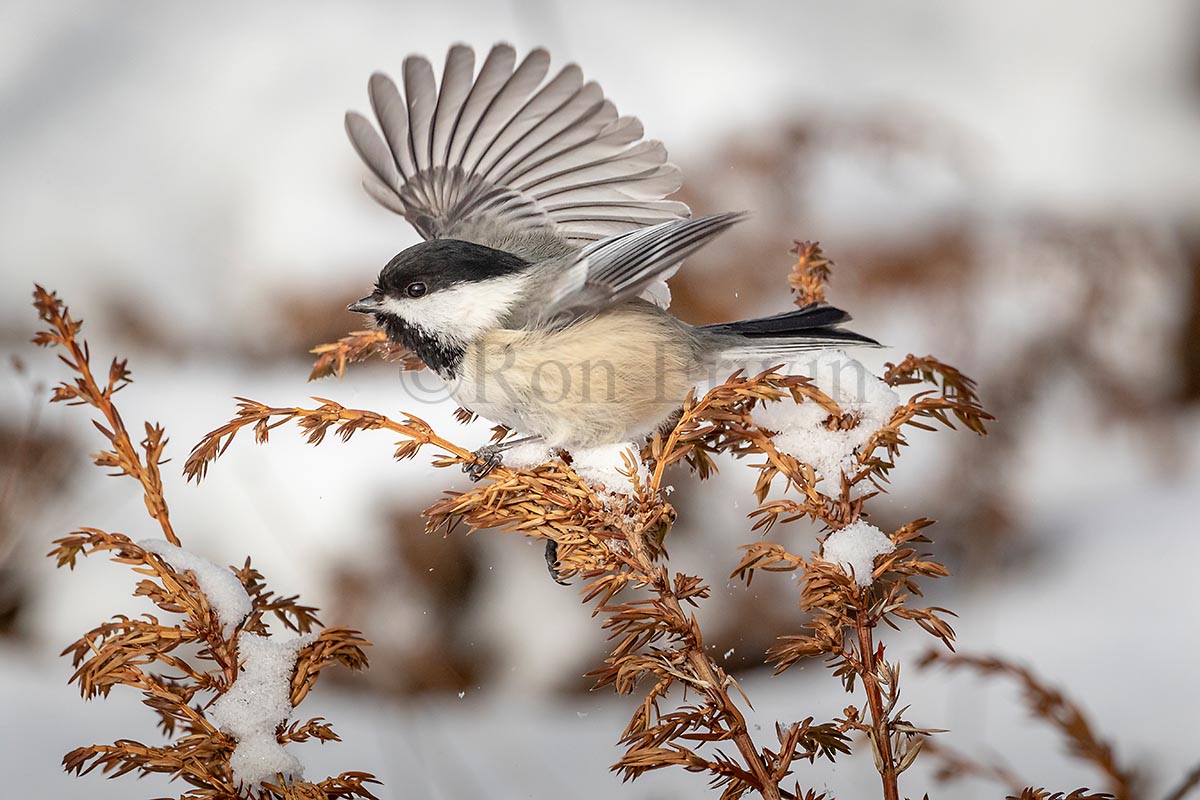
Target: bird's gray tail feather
813 327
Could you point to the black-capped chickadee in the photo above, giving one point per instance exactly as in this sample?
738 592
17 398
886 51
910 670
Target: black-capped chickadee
539 294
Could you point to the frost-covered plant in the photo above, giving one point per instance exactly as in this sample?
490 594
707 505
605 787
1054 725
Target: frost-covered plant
222 687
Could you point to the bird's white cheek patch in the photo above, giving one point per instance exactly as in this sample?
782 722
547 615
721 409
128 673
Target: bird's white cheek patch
460 312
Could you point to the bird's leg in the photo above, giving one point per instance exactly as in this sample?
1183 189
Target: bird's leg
487 458
552 562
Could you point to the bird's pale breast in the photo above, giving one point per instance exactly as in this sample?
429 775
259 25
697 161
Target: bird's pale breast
610 378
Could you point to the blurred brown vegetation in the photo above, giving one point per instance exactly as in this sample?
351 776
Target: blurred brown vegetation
413 569
35 464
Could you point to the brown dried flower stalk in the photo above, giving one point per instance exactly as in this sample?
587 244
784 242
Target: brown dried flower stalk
145 653
359 346
810 273
86 390
843 613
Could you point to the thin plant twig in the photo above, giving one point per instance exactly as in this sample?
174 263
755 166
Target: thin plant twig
182 667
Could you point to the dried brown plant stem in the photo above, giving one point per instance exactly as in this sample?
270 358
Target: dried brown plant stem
706 670
86 390
332 358
181 668
810 273
846 611
881 738
317 422
1033 793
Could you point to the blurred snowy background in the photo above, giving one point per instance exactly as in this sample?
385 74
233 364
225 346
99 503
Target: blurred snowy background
1013 187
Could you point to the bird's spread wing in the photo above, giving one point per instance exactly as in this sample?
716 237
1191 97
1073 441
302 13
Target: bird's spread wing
622 267
494 152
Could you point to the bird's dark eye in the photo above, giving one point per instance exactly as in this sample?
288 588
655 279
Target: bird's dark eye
415 289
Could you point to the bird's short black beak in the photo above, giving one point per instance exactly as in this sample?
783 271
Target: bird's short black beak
367 305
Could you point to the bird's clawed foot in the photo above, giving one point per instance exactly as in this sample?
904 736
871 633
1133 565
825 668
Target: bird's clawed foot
486 459
552 562
489 457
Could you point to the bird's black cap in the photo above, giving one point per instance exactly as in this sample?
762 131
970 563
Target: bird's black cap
442 263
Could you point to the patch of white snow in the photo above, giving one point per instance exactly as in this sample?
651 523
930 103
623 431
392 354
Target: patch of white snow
256 705
224 591
855 548
799 427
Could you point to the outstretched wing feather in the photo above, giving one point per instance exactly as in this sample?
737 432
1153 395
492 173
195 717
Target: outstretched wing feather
504 107
620 267
526 130
421 91
496 149
583 102
457 79
496 70
374 152
392 113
